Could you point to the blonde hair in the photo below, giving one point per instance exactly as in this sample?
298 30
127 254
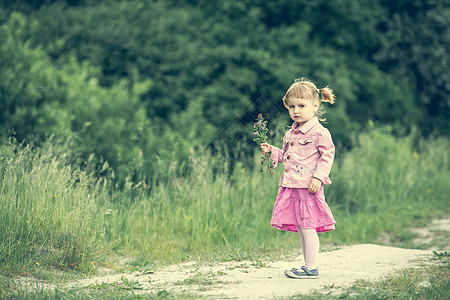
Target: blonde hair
303 88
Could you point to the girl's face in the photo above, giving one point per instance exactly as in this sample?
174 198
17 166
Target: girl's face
302 110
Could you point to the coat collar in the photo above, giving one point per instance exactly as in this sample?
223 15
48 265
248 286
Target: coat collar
307 126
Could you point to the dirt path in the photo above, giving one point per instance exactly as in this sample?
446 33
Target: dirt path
257 280
339 268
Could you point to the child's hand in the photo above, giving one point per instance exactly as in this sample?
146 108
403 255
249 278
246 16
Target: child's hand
314 185
266 148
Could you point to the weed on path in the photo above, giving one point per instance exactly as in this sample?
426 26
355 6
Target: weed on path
340 269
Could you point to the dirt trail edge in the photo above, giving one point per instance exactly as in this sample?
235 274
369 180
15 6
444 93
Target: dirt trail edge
265 280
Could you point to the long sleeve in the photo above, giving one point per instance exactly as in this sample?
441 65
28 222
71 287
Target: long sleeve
276 156
325 162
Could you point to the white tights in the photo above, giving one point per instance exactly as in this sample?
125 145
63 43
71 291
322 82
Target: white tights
310 246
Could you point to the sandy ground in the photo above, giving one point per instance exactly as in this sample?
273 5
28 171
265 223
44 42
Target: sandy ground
258 280
339 268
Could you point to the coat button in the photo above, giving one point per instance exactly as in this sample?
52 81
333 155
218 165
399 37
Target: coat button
296 132
292 143
287 170
285 183
288 157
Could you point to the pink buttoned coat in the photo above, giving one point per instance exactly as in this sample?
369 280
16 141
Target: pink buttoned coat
307 152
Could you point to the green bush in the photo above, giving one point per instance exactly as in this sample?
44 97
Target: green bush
40 99
219 63
161 79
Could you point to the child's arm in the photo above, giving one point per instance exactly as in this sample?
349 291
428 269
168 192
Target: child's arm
276 156
326 149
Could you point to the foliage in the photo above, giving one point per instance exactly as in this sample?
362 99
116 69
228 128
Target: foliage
44 99
155 98
138 81
48 211
396 175
415 46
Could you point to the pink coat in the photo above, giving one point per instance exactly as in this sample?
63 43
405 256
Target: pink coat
307 152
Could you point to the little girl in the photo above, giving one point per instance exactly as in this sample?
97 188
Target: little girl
307 157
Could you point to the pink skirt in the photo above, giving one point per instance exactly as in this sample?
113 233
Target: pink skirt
297 207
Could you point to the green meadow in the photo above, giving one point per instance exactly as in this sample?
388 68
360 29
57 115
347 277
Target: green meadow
54 215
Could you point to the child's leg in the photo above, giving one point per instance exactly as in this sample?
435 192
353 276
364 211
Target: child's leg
310 246
303 242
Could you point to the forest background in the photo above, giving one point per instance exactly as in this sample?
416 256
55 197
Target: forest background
138 116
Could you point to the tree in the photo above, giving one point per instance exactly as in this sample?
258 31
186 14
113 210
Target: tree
39 98
416 46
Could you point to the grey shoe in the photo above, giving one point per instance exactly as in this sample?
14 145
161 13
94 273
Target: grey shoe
304 273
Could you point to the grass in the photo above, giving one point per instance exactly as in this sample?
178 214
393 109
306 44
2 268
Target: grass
54 216
201 279
383 185
121 290
48 212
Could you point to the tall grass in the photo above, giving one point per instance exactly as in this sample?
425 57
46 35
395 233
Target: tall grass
48 211
384 184
384 172
206 214
54 214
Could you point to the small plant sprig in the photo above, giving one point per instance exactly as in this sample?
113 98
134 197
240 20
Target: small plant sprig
260 136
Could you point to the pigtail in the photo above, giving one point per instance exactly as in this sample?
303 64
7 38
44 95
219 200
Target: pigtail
327 94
